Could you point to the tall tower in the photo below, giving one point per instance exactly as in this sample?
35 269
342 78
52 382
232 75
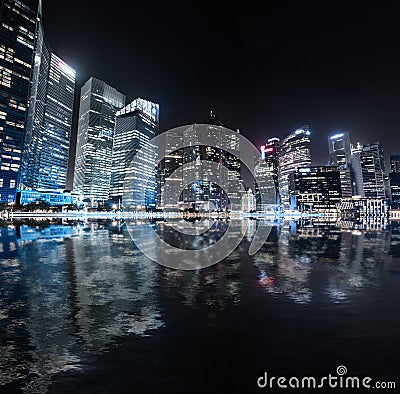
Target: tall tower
373 170
99 104
340 156
271 156
295 153
18 32
395 163
47 141
339 149
394 179
135 125
356 171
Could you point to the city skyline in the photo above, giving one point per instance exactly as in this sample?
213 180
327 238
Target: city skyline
47 128
261 71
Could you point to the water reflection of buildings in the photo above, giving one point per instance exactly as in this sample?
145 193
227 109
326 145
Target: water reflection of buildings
350 259
65 298
216 286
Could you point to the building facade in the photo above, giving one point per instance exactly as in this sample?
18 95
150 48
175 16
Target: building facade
134 182
18 32
48 130
395 163
315 189
394 179
373 171
295 152
340 156
99 104
270 154
219 145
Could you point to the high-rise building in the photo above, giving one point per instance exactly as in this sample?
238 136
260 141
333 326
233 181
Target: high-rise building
395 163
48 130
205 142
295 153
171 156
340 156
315 189
134 183
270 153
373 170
18 32
394 178
206 194
339 149
99 104
356 171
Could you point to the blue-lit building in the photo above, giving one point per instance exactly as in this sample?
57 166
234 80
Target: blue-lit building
18 31
53 197
48 130
135 125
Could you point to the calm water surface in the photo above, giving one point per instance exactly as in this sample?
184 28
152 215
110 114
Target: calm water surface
83 311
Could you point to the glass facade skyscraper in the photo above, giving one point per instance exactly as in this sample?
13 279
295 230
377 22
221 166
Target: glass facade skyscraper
208 143
339 149
270 154
295 153
18 31
373 170
340 156
99 104
135 125
48 130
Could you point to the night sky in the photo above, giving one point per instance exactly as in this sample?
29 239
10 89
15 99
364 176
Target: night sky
334 65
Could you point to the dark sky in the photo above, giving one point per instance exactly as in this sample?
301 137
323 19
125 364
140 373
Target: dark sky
265 69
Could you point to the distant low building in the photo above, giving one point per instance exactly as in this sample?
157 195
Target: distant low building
394 214
315 189
364 208
394 179
53 197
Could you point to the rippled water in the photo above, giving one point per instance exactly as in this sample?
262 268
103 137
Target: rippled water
82 310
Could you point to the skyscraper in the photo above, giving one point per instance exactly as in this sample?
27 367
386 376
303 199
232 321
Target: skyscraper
295 153
99 104
271 157
210 147
356 171
395 163
135 125
340 156
18 29
48 130
204 142
394 179
373 170
339 149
